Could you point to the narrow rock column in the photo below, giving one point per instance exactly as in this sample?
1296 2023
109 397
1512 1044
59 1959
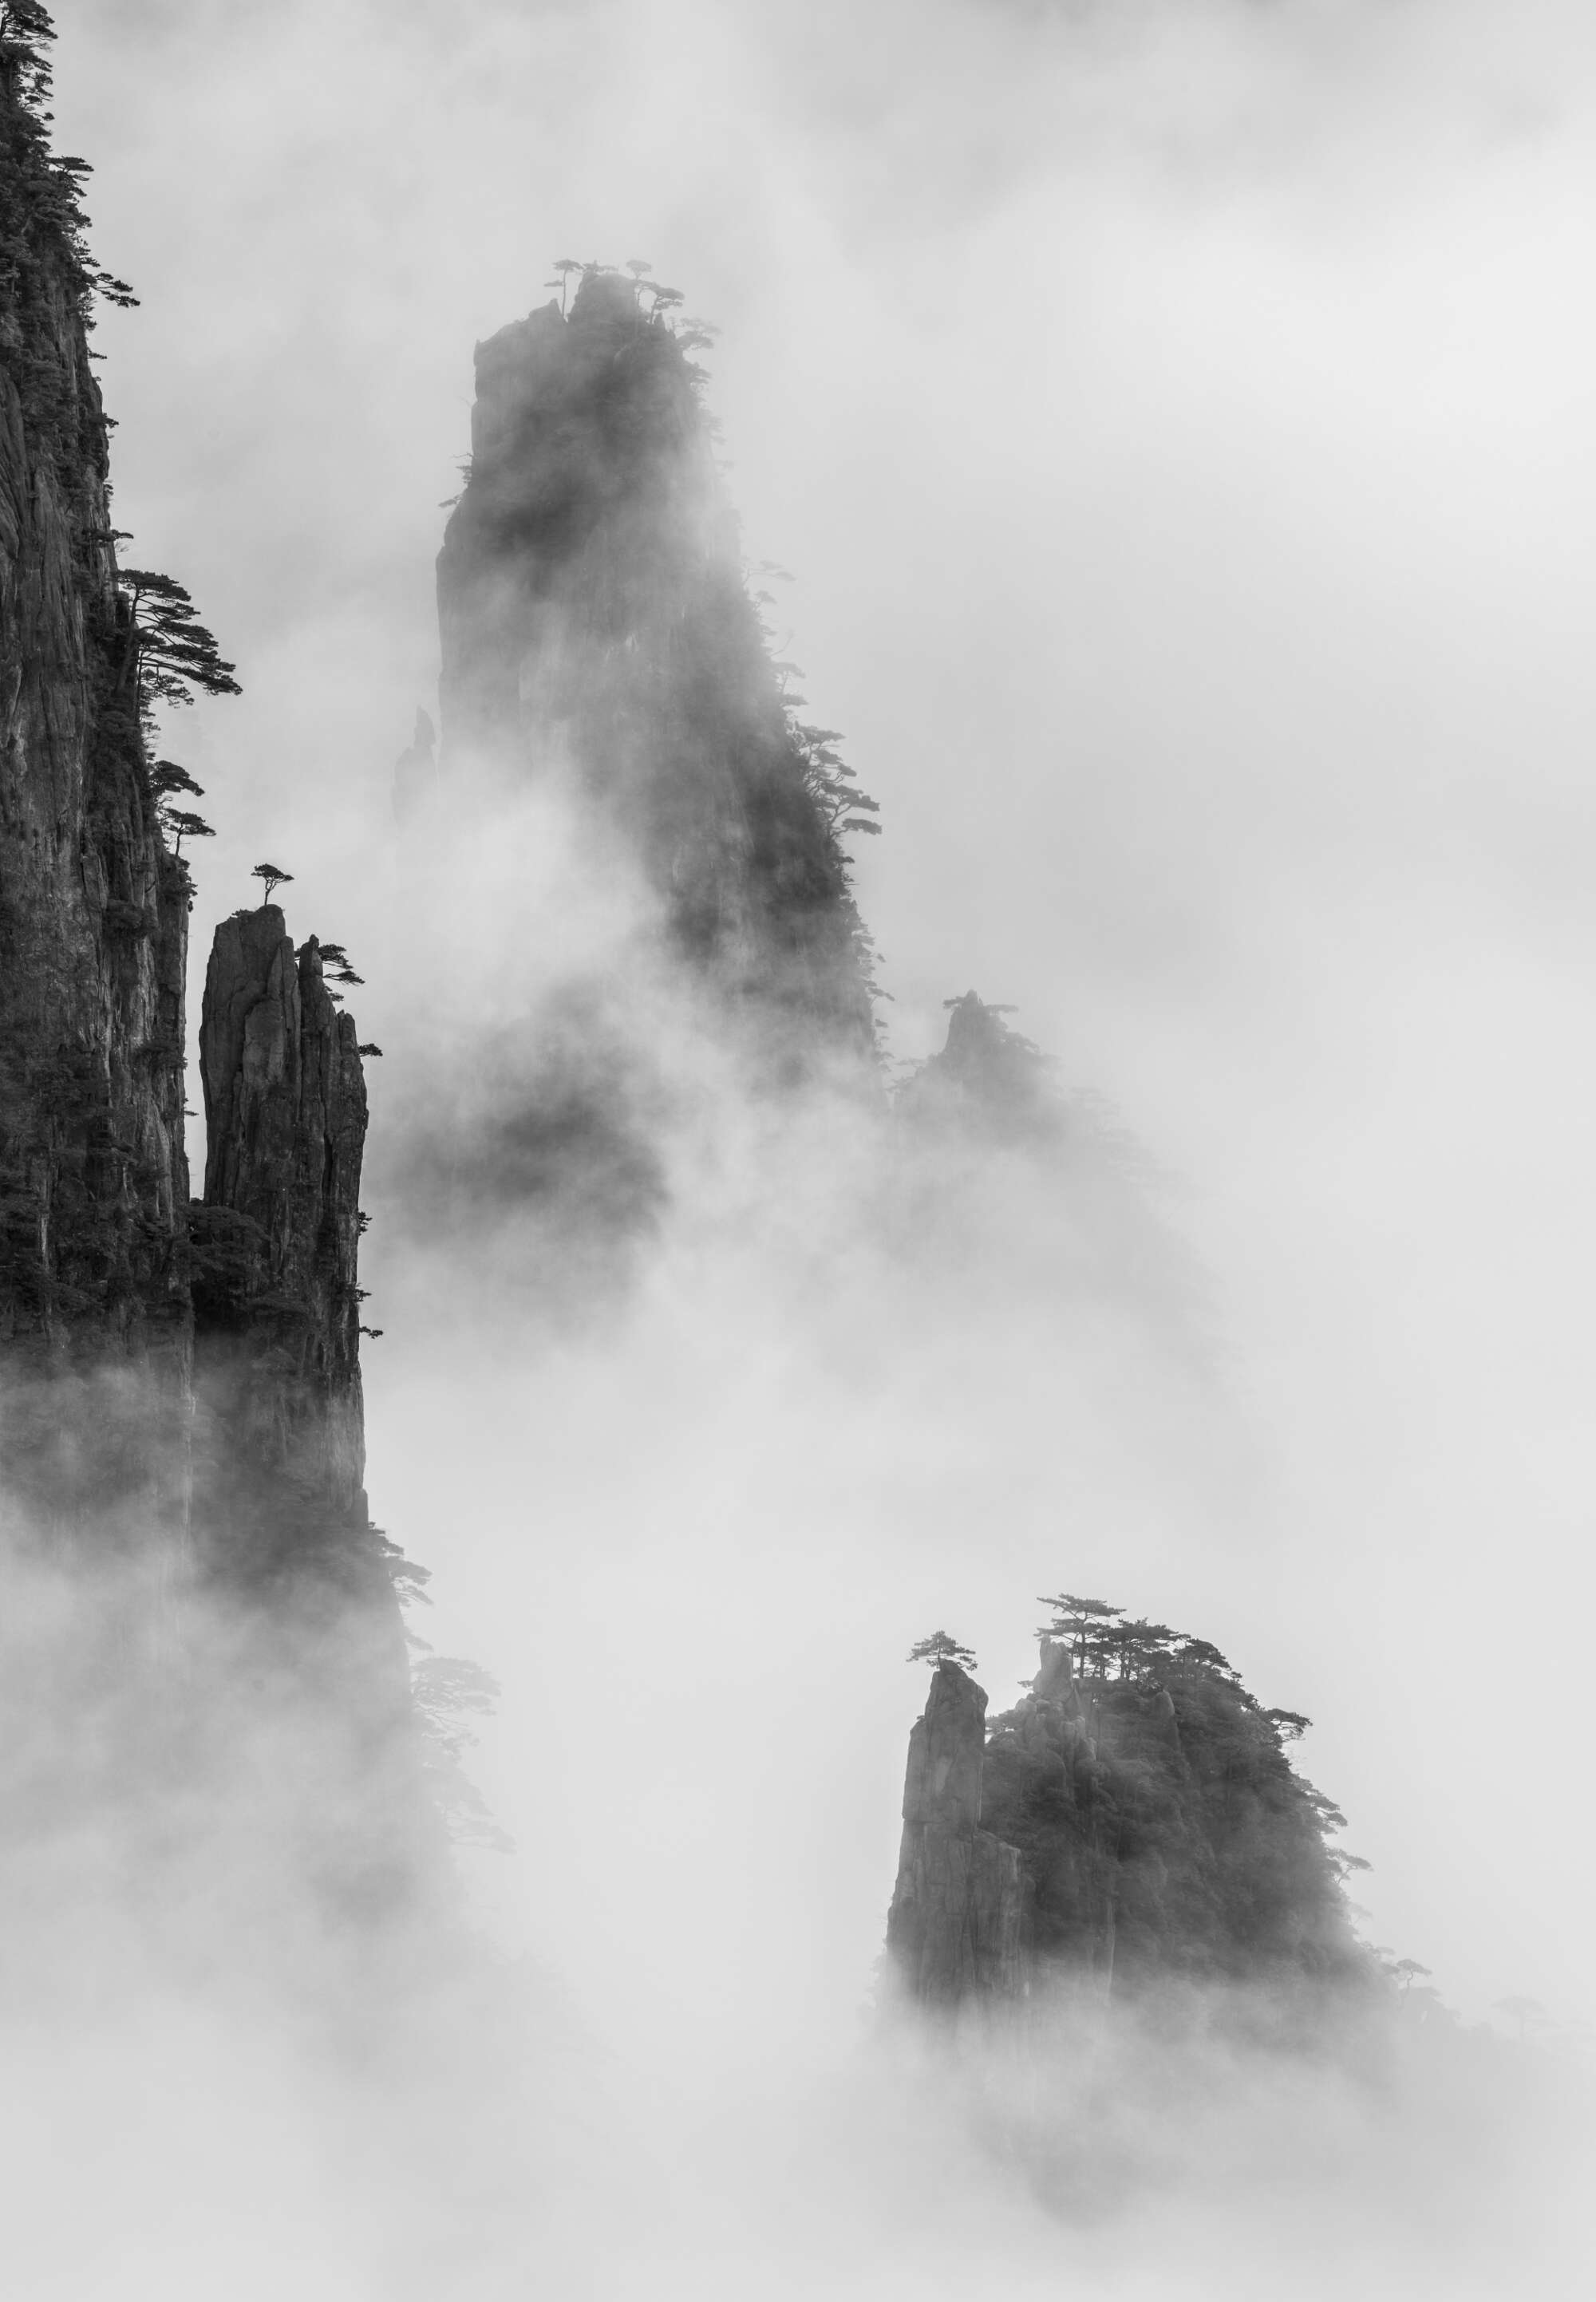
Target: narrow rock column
960 1925
276 1242
295 1574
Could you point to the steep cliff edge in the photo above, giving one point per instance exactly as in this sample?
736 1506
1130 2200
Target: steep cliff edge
1142 1825
277 1300
283 1543
93 909
960 1925
595 624
202 1635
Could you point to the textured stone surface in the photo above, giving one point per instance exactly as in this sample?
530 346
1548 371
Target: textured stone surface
212 1641
960 1923
282 1534
1115 1831
93 926
595 626
276 1246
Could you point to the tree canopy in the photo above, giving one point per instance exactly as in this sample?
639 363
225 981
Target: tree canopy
939 1648
172 652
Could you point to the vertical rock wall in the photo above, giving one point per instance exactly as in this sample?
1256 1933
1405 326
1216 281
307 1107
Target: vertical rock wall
595 624
93 1301
1142 1828
276 1242
288 1562
195 1595
960 1925
280 1443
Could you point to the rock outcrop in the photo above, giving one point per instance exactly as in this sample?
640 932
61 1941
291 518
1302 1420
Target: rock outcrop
181 1491
987 1081
596 626
285 1553
93 916
1116 1832
277 1297
960 1926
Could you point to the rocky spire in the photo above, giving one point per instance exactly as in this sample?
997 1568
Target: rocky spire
285 1550
1140 1823
276 1249
595 625
960 1925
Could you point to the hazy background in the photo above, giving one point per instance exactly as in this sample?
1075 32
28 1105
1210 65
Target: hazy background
1179 420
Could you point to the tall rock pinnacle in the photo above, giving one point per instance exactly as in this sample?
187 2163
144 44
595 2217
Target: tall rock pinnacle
595 624
960 1925
1135 1824
276 1299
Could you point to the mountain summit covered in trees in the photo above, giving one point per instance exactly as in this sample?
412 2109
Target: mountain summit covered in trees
1134 1822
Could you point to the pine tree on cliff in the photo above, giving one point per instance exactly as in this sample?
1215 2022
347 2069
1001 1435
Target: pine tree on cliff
940 1648
171 651
94 923
43 228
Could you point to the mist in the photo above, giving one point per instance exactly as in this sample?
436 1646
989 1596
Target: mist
1174 421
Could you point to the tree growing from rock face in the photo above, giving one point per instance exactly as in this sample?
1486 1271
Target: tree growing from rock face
170 651
563 265
940 1648
40 190
166 780
178 824
272 876
335 964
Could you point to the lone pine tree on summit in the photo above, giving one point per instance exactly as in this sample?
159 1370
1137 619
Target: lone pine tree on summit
940 1648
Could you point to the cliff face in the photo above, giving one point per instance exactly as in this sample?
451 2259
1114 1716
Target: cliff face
93 912
595 624
284 1548
276 1292
961 1924
180 1384
1151 1825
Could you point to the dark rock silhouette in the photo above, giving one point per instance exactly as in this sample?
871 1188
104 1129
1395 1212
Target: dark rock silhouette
960 1925
986 1081
595 624
276 1244
179 1388
1116 1832
93 925
282 1534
